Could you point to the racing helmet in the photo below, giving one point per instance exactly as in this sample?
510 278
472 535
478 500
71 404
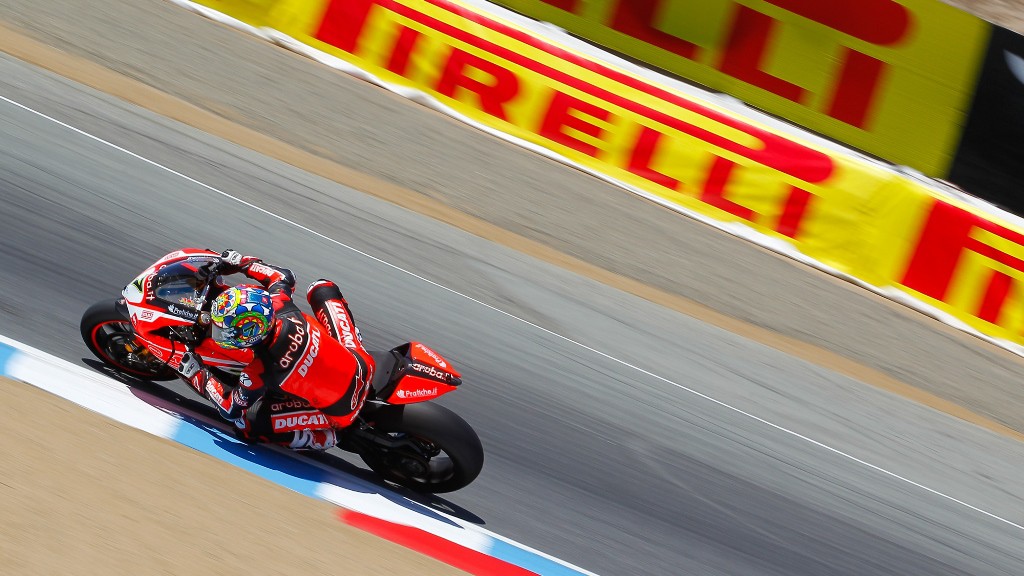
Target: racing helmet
241 316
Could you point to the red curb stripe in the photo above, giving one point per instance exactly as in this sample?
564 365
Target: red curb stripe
434 546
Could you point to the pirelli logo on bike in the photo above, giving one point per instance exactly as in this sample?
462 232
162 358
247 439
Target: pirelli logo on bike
294 421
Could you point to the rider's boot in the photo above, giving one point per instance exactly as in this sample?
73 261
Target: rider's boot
314 440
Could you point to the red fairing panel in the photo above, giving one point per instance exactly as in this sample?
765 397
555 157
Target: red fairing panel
149 314
426 376
420 353
418 389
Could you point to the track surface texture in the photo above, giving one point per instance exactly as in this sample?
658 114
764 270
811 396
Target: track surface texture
391 144
598 463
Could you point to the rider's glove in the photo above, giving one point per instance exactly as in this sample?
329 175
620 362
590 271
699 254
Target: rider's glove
190 365
232 261
231 257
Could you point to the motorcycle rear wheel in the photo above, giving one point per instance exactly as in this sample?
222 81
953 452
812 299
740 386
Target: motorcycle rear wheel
456 455
107 331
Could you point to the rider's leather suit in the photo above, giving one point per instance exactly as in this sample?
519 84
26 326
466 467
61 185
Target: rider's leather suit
321 361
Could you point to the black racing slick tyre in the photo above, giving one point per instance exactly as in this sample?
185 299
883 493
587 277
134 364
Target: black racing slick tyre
444 453
107 331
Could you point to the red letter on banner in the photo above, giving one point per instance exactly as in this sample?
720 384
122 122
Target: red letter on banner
493 96
643 152
999 287
745 50
343 23
856 88
944 240
881 22
945 236
405 45
714 189
636 17
559 116
793 212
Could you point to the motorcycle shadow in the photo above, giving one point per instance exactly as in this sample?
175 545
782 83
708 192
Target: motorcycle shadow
320 467
430 501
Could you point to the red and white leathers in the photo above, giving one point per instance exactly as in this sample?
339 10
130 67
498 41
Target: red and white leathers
325 365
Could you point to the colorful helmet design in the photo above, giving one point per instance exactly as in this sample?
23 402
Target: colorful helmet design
242 316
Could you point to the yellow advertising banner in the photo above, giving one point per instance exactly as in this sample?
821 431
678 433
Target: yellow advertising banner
892 77
971 266
854 216
285 15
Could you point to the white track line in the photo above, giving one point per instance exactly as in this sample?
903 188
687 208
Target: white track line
527 322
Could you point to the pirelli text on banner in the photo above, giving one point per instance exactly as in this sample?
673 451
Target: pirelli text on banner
891 77
972 267
627 127
850 215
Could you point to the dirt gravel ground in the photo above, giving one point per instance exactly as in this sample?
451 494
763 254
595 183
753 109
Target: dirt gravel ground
139 504
144 505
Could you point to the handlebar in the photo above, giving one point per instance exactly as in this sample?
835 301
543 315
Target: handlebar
202 306
212 272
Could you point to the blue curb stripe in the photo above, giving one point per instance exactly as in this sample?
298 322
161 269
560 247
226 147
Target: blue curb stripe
306 479
6 353
278 468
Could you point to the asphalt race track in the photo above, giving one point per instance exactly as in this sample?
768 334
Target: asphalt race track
621 436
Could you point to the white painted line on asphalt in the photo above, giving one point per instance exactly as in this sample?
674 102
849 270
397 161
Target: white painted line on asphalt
527 322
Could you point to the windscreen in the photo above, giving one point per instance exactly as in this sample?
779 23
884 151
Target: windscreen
177 284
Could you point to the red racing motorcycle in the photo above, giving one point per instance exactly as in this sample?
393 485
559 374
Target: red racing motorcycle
398 434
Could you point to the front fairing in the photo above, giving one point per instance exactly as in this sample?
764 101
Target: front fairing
170 280
164 298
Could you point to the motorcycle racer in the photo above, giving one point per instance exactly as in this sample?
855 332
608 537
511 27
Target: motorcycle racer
165 326
322 362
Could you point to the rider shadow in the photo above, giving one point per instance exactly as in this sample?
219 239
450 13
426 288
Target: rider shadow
165 394
300 471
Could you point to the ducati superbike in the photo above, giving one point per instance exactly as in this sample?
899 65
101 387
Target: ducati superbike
398 434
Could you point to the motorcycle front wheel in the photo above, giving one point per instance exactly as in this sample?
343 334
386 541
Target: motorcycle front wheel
441 452
107 331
